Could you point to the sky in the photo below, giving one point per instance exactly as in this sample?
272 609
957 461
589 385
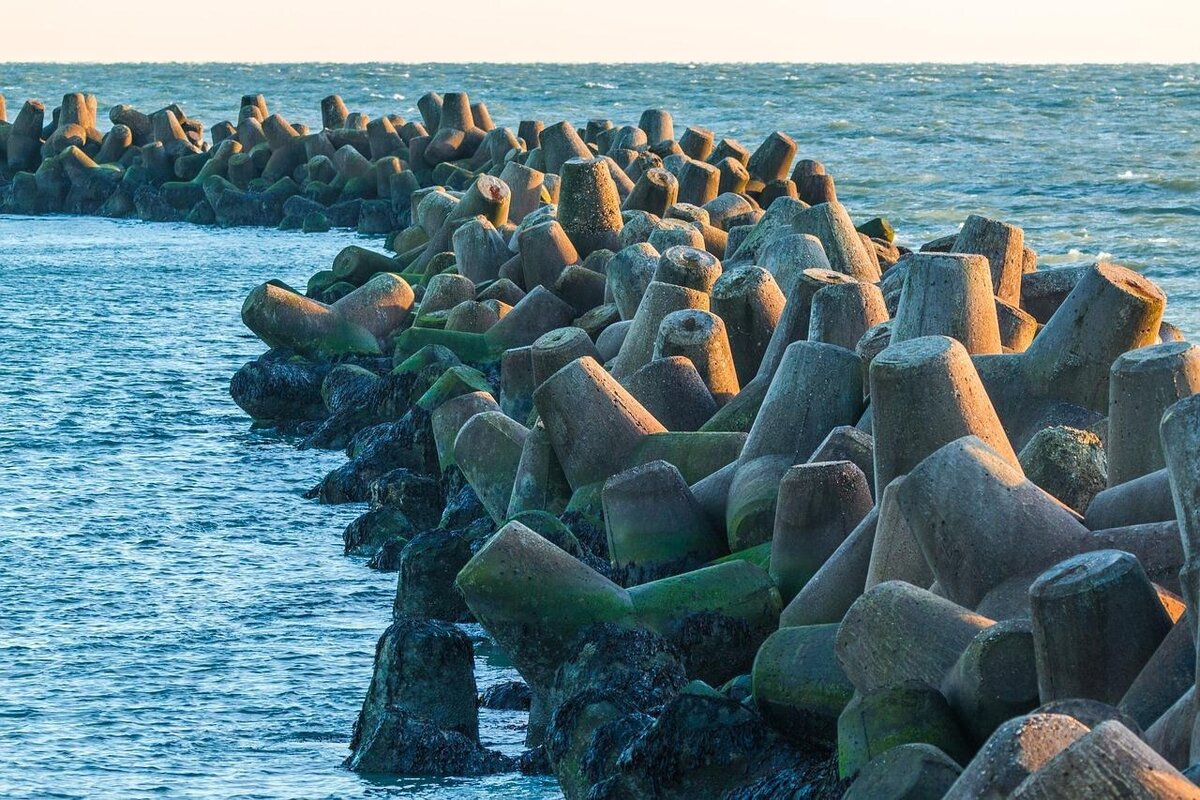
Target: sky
1014 31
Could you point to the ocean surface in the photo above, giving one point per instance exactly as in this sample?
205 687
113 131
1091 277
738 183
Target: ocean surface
177 621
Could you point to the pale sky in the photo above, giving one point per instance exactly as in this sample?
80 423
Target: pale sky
1021 31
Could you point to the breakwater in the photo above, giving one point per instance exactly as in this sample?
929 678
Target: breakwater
1101 194
756 500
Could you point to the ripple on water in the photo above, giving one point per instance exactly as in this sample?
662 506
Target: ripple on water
178 621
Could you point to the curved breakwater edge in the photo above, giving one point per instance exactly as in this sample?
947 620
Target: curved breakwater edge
377 350
756 500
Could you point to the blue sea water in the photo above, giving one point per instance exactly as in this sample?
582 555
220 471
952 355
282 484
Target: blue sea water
175 621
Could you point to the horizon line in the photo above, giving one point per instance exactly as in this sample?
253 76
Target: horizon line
1020 63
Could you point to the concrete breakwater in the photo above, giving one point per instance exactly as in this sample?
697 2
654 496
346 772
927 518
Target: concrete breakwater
163 166
757 502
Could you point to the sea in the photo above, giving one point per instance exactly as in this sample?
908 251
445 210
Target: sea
177 621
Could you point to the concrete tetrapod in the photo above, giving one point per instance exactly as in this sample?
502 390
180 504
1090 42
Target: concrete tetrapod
1171 734
609 342
1090 712
749 301
898 632
449 418
629 273
659 300
979 522
995 678
1181 447
907 712
773 157
552 351
479 250
1169 673
538 312
847 443
526 187
830 223
905 772
593 422
843 312
282 317
925 393
718 616
948 294
655 526
517 382
655 191
786 257
829 594
1138 501
1143 383
445 292
589 207
539 483
751 500
672 390
816 388
797 314
895 554
1002 247
1180 432
677 233
696 455
487 196
700 336
688 267
1017 328
535 599
1012 753
545 251
1110 310
819 505
488 451
583 288
1097 620
1109 763
798 684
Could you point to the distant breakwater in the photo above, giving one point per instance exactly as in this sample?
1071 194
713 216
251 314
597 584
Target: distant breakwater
163 166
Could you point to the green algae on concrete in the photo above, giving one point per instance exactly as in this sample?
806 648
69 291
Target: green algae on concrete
455 381
738 414
905 713
472 347
488 451
717 615
696 455
535 599
798 684
759 555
